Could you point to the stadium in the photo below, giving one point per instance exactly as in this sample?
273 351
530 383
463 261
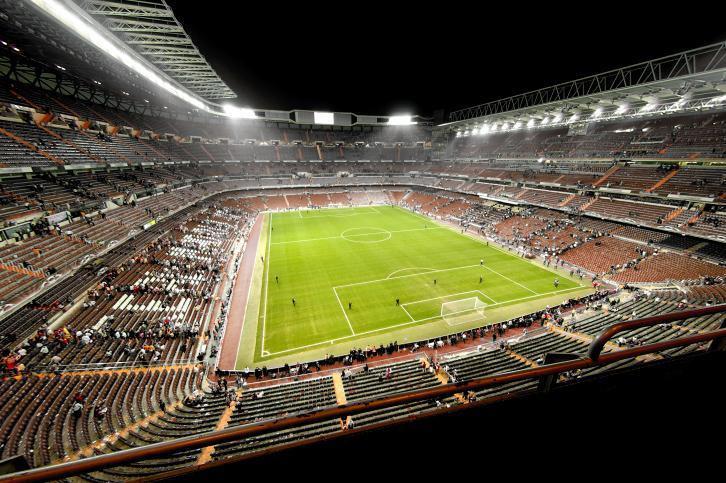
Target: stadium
191 286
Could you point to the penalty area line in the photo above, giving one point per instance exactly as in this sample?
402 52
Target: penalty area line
344 313
413 321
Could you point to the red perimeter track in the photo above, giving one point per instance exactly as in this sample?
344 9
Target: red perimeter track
238 302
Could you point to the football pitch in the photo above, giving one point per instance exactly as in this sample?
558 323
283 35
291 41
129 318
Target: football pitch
374 274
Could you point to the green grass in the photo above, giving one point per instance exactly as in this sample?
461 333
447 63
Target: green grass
369 256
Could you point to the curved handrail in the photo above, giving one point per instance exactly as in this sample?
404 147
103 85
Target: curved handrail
244 431
599 342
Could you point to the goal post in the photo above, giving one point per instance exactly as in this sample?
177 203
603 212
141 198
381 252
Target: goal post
463 311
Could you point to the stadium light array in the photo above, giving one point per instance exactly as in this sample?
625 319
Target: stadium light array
678 104
717 100
324 118
107 44
400 120
238 112
648 107
622 109
93 36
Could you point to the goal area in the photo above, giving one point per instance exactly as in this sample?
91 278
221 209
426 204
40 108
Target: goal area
463 311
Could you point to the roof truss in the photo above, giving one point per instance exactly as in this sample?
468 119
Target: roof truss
150 28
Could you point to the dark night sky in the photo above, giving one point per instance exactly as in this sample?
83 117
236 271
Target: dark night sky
421 60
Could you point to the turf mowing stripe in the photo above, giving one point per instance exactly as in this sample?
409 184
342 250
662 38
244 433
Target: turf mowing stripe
451 295
407 257
338 216
494 245
413 321
352 236
367 282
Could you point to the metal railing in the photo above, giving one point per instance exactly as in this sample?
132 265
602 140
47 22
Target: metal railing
594 358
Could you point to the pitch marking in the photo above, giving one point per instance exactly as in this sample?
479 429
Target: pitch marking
390 275
359 334
267 278
343 309
362 234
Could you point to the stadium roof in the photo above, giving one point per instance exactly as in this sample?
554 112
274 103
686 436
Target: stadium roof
152 30
150 49
694 80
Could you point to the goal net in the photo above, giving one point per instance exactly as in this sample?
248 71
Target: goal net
463 311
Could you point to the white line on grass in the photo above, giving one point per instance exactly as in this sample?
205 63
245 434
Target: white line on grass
267 278
494 246
507 278
350 236
343 309
390 275
406 276
356 213
409 315
451 295
414 321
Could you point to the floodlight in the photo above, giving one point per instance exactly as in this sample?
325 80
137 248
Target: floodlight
323 118
401 120
716 100
87 32
238 112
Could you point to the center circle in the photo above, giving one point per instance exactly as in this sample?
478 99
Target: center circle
366 234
